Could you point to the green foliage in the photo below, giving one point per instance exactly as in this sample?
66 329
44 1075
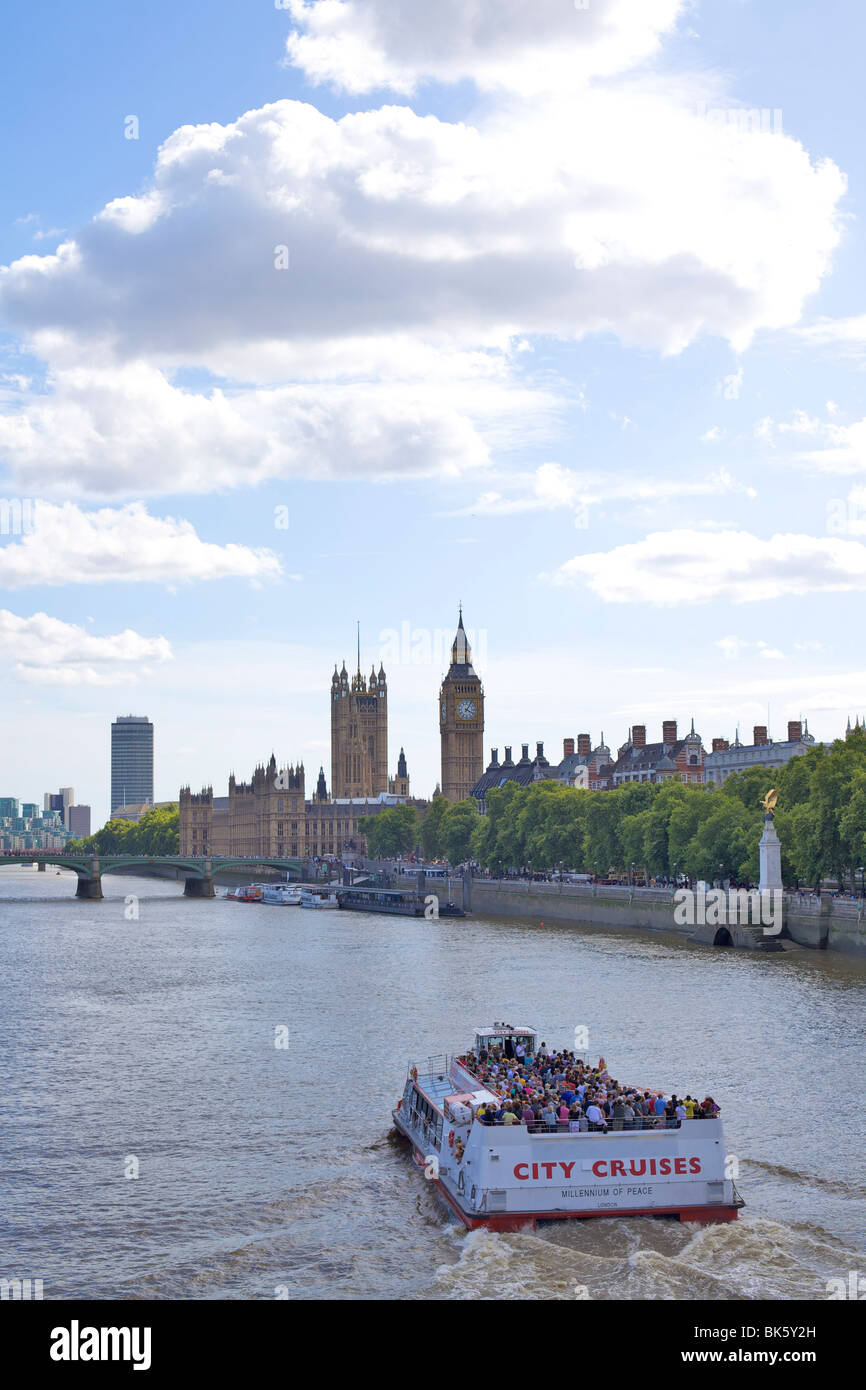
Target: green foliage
703 832
431 828
457 827
157 833
393 831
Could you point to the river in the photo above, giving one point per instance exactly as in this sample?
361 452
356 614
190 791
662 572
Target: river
153 1044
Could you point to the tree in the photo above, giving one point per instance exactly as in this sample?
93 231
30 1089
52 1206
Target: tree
392 832
431 827
156 834
458 826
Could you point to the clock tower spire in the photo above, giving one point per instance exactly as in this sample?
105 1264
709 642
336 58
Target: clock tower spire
461 721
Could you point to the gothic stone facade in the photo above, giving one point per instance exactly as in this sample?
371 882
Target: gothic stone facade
270 817
359 734
461 722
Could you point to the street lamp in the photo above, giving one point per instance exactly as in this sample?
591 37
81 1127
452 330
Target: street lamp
862 872
632 873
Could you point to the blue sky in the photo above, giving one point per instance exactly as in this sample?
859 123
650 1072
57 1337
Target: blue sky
558 338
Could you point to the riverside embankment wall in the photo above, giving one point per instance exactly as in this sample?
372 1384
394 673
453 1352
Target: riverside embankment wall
828 925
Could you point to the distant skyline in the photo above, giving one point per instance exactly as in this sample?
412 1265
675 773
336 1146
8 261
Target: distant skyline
307 316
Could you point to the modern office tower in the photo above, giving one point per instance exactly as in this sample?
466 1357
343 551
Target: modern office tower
8 806
59 801
78 822
29 810
131 760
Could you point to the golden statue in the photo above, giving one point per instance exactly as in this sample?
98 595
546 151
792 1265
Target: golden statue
770 800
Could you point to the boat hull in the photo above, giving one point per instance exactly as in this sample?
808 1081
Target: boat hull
662 1195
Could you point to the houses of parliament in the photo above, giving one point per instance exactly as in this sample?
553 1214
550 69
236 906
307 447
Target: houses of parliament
271 815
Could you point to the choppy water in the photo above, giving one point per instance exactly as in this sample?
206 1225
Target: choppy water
263 1169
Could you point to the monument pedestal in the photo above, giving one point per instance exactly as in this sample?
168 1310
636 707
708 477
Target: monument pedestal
770 853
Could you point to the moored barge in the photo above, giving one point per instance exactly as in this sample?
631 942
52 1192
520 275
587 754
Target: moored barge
400 902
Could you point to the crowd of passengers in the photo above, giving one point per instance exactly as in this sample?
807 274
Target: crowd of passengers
558 1091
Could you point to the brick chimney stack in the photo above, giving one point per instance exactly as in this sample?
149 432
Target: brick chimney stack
720 745
669 732
795 731
759 736
584 745
638 736
568 747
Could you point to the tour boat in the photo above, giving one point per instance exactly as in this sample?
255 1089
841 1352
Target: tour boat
248 893
508 1177
401 902
281 894
318 897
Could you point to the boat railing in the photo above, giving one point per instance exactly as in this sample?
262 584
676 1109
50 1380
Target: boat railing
646 1122
656 1123
431 1066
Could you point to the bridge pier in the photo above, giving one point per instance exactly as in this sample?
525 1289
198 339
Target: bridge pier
90 888
198 888
41 868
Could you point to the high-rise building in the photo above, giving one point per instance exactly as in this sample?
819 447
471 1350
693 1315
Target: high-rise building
461 721
8 806
78 822
60 802
131 760
359 733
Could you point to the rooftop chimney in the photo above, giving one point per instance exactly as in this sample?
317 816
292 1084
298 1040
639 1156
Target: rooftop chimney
795 731
539 751
568 747
720 745
525 755
669 732
494 757
507 761
638 736
759 736
584 745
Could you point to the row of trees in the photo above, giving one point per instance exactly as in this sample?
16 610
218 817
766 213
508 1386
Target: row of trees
662 829
158 832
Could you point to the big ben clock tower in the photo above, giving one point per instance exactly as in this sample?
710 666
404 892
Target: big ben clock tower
461 722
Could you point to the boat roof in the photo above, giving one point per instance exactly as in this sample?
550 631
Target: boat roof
503 1029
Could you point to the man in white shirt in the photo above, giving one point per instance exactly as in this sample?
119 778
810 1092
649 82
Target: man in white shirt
595 1116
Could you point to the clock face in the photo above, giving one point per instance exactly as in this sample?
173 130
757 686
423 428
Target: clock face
466 709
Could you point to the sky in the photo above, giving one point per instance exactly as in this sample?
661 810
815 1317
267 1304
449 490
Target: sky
325 312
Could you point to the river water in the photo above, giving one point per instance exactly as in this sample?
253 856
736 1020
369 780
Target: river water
265 1171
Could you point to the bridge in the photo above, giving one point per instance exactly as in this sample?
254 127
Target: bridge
199 872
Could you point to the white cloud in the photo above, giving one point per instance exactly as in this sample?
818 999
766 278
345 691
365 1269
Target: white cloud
122 545
417 247
107 431
712 435
685 567
840 448
553 487
45 651
360 45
